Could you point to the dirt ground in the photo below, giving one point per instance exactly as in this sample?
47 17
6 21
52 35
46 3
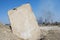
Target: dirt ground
48 33
6 34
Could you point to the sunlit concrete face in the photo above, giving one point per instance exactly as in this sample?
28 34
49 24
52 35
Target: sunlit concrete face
23 22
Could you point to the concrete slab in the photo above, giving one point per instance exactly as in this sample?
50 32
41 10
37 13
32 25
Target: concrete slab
24 23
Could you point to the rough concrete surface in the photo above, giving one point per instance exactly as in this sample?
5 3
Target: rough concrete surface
24 23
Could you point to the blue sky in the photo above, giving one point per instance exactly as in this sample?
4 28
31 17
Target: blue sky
41 8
